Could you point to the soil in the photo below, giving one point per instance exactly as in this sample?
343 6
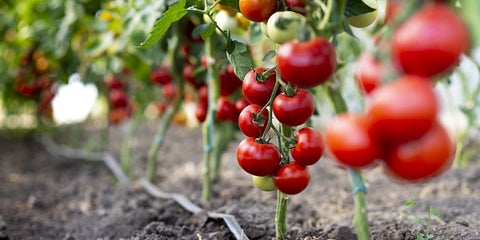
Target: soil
43 196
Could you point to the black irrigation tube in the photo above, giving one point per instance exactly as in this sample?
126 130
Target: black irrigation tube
112 163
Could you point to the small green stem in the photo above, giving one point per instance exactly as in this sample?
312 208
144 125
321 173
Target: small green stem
167 118
213 82
281 216
360 220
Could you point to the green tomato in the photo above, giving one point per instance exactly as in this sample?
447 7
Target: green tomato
226 21
364 20
283 26
264 183
263 27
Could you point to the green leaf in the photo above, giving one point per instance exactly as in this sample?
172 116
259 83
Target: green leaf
204 30
270 54
420 236
434 211
410 203
173 14
430 236
356 7
231 3
255 32
241 59
347 28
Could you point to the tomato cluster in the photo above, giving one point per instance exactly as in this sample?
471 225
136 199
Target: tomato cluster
120 105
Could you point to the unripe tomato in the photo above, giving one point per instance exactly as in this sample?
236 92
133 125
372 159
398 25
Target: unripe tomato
264 183
255 90
246 121
256 158
350 141
430 42
294 110
364 20
368 72
402 110
306 64
257 10
309 146
422 158
283 26
291 178
263 28
226 110
226 22
161 75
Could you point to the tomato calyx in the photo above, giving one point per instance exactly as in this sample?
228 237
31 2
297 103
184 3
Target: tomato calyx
263 76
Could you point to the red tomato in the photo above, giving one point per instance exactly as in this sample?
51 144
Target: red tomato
306 64
368 72
430 42
349 140
161 75
256 158
203 95
43 83
309 146
226 110
113 83
241 103
296 5
422 158
392 8
257 10
291 178
229 82
402 110
188 75
169 91
201 112
295 110
256 91
118 99
247 124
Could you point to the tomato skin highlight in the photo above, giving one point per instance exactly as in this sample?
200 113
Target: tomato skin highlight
246 124
306 64
295 110
291 178
403 109
349 140
255 91
368 72
256 158
430 42
257 10
422 158
309 147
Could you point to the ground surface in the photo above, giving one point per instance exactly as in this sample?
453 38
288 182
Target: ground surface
48 197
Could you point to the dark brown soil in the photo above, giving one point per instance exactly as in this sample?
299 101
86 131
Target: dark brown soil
47 197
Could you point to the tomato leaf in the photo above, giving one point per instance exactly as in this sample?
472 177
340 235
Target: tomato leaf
240 58
231 3
270 54
356 7
174 13
347 28
204 30
416 219
434 211
410 203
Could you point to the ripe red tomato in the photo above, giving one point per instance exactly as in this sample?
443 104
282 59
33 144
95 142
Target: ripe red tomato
306 64
188 75
229 82
201 112
169 91
257 10
118 98
256 158
241 103
295 110
113 83
349 140
296 6
309 146
254 90
402 110
247 124
226 110
422 158
203 95
430 42
291 178
368 72
161 75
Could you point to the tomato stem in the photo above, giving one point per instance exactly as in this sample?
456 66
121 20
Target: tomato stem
281 216
167 118
360 220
